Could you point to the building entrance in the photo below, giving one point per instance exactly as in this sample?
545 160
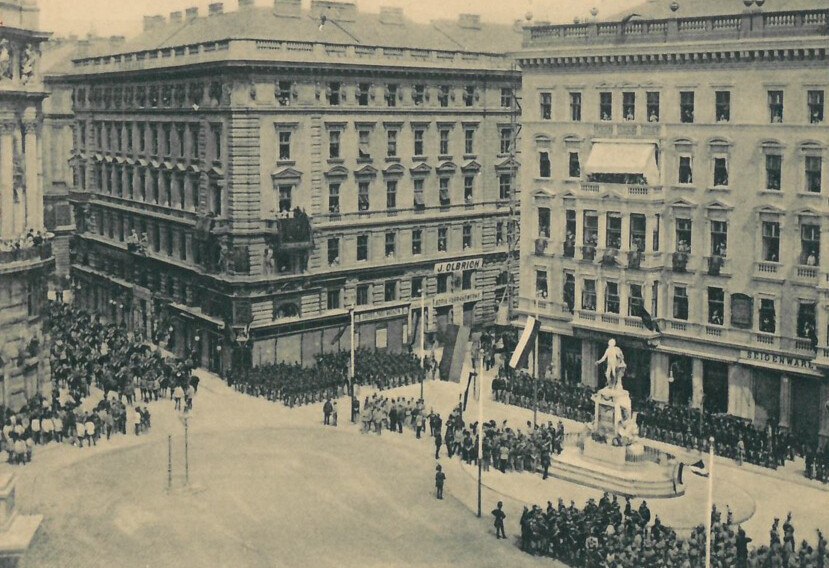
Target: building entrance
681 384
570 359
805 409
715 386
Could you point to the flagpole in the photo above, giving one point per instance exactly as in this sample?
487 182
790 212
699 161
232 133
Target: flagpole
537 375
422 337
480 425
352 368
710 504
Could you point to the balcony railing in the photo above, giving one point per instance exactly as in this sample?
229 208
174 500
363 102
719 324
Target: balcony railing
716 265
42 251
768 269
588 252
632 191
806 274
679 261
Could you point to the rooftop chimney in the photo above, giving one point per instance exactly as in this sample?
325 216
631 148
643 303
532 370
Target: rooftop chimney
338 11
391 16
469 21
191 14
245 4
287 8
176 17
117 40
215 9
153 22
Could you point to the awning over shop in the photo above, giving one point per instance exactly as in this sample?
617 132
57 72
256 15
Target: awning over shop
623 159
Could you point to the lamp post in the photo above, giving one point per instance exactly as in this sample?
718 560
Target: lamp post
422 339
537 369
710 502
352 358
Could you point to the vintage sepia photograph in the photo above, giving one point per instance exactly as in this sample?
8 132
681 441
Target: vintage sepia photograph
414 283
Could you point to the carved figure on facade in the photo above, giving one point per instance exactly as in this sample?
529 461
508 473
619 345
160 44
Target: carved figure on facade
5 59
28 63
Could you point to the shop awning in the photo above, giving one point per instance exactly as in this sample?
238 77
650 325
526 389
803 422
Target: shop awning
623 158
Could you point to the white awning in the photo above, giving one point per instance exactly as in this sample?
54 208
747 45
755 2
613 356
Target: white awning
623 158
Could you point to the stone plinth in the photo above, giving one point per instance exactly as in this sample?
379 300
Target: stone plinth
613 407
16 531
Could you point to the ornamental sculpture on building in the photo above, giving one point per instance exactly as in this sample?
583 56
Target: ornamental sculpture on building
5 59
27 63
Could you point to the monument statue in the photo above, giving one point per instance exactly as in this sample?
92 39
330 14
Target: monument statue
615 371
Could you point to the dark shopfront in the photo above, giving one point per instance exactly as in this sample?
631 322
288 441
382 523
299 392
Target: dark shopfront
805 406
570 359
637 380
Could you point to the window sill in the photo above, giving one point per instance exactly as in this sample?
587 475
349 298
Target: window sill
393 159
721 188
470 156
691 187
419 158
809 194
445 158
366 160
775 192
285 163
336 161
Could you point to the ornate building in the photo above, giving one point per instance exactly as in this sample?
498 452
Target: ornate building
243 179
25 261
676 202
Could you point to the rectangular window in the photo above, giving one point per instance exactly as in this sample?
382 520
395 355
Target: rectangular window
362 247
719 238
334 198
418 93
168 139
217 141
635 300
444 142
775 106
390 291
686 107
638 232
506 140
506 97
771 241
391 244
575 107
285 202
546 106
284 145
815 101
182 246
283 93
334 93
469 95
683 235
774 168
469 190
333 297
469 141
591 228
363 202
154 140
504 187
216 195
814 174
391 194
391 95
363 295
364 144
541 288
334 144
443 235
652 100
574 165
806 321
442 283
722 104
391 143
499 233
614 231
606 106
467 236
721 172
629 106
443 96
362 94
544 222
686 170
418 142
810 245
468 279
544 166
588 296
611 298
333 251
768 316
417 286
419 200
443 193
417 241
716 306
681 303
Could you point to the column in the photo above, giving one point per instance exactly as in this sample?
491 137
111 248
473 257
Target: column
34 194
697 394
589 376
579 231
556 365
785 401
6 176
823 430
601 244
740 392
625 245
660 387
20 202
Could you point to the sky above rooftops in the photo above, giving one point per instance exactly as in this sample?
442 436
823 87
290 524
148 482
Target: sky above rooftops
122 17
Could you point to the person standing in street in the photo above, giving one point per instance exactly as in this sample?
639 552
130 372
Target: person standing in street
440 479
438 444
327 409
499 515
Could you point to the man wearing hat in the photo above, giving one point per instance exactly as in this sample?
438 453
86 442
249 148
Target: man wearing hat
440 478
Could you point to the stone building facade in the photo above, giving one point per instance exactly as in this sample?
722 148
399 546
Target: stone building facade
675 200
242 179
25 264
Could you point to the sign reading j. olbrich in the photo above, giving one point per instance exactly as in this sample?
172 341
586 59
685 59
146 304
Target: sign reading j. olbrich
459 265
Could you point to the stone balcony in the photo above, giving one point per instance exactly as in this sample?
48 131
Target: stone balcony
805 275
768 270
738 337
633 192
26 258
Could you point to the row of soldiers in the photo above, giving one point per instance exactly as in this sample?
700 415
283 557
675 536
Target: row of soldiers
567 400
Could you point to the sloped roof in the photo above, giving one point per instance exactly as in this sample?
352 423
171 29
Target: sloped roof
261 23
661 9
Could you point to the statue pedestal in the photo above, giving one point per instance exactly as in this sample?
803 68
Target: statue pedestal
613 406
16 530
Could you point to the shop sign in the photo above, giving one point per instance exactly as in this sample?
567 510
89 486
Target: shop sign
458 298
459 265
784 362
387 313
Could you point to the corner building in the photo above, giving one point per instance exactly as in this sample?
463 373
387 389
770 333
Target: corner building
286 166
674 171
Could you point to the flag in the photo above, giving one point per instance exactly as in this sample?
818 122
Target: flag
525 344
340 333
472 380
698 468
647 320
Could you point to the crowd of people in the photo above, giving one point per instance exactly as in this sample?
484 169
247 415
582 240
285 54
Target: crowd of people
567 400
25 241
381 413
295 385
87 353
611 534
